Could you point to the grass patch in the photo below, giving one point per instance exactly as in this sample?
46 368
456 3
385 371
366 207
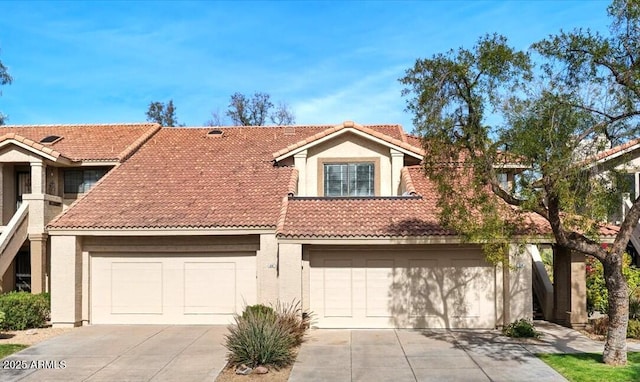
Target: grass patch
8 349
588 367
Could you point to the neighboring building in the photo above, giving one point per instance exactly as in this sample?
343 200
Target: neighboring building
193 224
43 169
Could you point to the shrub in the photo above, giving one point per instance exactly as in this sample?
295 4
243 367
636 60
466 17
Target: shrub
294 319
597 294
600 326
521 328
24 310
633 329
1 317
258 339
260 310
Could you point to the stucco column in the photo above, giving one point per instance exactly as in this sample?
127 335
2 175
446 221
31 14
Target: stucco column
290 272
516 288
267 269
38 262
397 162
569 288
66 281
38 178
300 163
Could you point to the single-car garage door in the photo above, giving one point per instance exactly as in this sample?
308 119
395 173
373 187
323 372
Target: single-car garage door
405 289
171 289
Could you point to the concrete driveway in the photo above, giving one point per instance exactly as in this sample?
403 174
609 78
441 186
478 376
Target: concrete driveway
122 353
417 355
195 353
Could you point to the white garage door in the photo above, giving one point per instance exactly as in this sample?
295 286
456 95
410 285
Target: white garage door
444 289
171 289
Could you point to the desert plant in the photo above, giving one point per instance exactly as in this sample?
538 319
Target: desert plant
24 310
260 310
521 328
294 319
258 339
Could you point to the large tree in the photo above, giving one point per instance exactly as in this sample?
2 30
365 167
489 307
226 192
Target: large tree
480 108
5 79
162 114
256 110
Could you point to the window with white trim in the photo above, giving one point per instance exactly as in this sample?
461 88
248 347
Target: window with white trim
349 179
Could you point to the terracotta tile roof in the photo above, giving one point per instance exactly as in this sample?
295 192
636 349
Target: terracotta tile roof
615 150
183 178
413 140
108 142
361 217
389 133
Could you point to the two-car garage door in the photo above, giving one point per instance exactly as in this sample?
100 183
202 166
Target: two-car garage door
415 289
171 289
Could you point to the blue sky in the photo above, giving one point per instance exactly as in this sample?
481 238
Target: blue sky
103 62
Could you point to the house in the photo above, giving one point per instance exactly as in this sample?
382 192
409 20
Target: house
189 225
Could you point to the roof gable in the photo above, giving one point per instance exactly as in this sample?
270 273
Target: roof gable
30 146
350 127
98 142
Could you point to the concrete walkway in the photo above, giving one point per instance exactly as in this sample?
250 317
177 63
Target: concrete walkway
122 353
435 355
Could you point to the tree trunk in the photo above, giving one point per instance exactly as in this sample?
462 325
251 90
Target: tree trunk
615 347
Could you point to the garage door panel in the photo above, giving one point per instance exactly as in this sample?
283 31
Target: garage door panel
170 289
338 282
198 296
417 289
426 289
378 277
136 288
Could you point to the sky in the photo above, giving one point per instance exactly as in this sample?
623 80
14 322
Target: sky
330 61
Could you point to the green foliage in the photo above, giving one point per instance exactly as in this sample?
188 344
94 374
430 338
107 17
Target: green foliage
597 294
260 310
254 111
24 310
588 367
255 339
521 328
633 329
2 316
600 325
8 349
162 114
266 336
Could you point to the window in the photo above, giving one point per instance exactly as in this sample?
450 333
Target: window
349 179
81 181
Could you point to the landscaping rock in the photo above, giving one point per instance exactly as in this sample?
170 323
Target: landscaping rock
260 370
243 370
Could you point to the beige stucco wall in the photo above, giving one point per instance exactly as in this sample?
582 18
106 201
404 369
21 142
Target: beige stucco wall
267 269
346 146
518 291
290 272
66 281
